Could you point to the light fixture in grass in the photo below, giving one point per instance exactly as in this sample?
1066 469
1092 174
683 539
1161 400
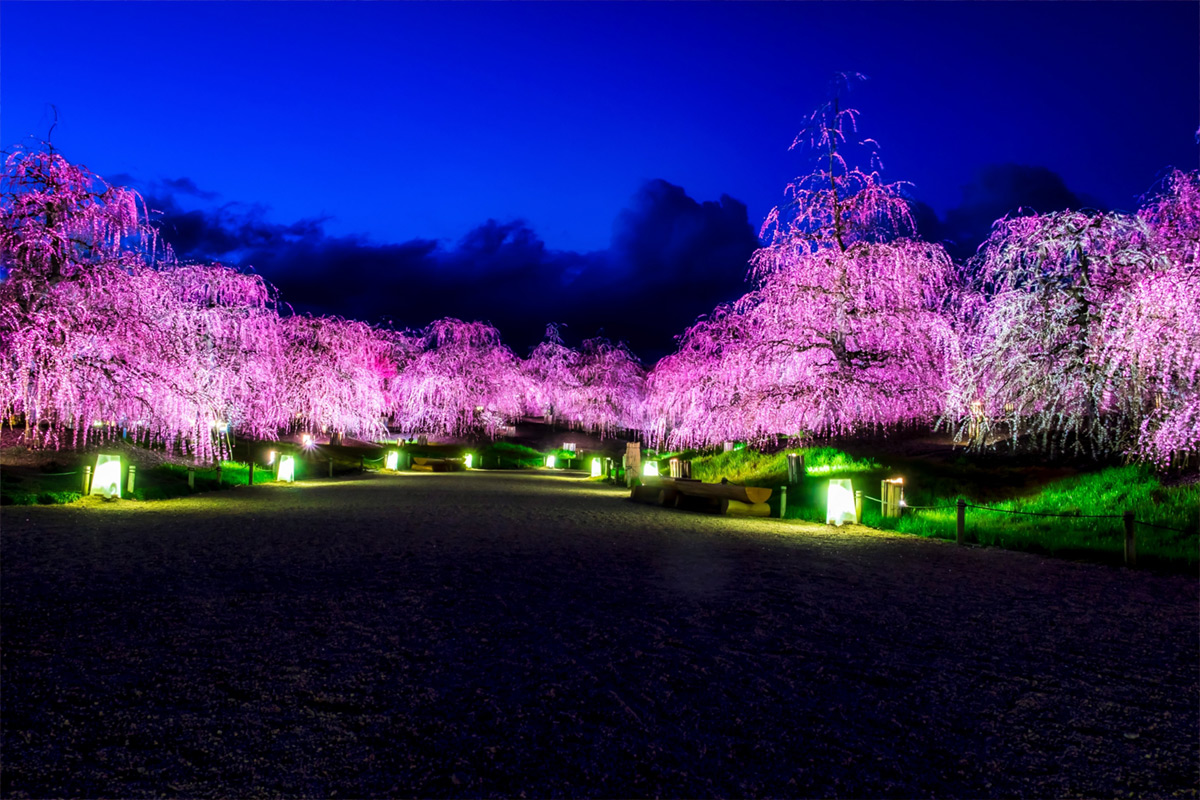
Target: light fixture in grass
287 469
840 502
106 480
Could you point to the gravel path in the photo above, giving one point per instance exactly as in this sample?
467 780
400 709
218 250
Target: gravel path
515 633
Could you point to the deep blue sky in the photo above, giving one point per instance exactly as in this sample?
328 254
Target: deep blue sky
368 139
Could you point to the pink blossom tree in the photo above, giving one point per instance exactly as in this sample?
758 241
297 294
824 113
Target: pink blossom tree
1051 287
1152 339
693 394
336 375
215 344
551 372
608 392
461 381
845 330
70 247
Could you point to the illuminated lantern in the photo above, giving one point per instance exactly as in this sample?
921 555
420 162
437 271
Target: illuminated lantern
307 440
597 468
550 462
270 457
392 460
470 458
287 469
840 502
106 480
650 468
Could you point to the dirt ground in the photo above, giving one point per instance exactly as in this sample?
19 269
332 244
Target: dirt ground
522 634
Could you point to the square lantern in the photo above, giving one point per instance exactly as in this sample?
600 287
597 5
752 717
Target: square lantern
597 468
106 480
840 502
550 461
469 459
287 469
650 468
391 460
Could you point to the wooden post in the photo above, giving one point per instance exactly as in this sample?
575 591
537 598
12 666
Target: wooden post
132 473
795 467
858 506
218 475
331 467
960 533
87 479
362 464
686 469
251 473
889 498
191 477
783 502
633 468
1130 539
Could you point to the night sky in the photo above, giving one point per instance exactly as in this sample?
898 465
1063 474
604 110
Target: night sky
597 165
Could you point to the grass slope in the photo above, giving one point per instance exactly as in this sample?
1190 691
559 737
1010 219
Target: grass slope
1037 489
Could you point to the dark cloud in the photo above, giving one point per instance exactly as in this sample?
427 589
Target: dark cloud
686 252
995 191
187 186
671 259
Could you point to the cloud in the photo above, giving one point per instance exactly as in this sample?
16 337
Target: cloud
995 191
187 186
671 259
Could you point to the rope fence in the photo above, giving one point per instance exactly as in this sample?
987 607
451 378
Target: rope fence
1075 515
1162 527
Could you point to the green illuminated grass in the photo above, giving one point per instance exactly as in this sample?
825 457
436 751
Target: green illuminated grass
508 455
770 469
1011 487
1111 491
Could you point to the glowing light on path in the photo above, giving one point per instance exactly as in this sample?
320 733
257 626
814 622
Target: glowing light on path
287 469
106 480
840 502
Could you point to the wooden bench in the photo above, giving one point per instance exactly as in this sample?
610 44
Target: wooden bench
438 464
720 498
